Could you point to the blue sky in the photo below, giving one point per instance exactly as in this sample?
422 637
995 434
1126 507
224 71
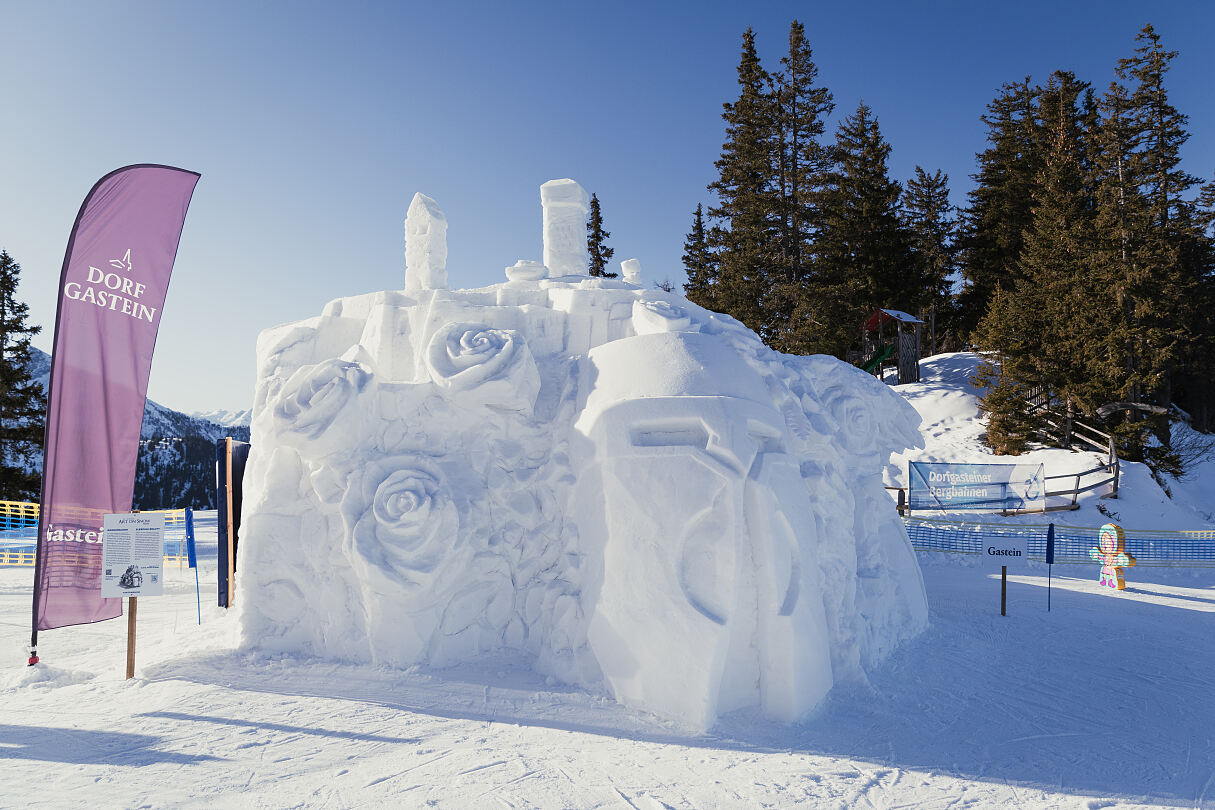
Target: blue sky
313 124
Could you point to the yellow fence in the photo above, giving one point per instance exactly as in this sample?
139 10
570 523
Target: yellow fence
19 530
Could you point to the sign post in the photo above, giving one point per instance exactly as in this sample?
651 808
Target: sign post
1006 551
1050 560
132 563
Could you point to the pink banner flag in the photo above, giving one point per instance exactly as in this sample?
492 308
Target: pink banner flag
111 294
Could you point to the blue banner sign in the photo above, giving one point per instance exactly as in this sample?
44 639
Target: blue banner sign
990 487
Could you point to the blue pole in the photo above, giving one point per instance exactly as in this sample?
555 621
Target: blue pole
193 558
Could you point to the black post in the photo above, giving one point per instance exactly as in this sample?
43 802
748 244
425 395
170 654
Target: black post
1003 589
1050 560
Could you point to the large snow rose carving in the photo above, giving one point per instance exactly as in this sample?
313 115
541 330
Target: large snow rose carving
402 523
483 366
314 396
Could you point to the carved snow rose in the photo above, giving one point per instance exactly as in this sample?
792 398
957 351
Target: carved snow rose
315 395
404 523
487 366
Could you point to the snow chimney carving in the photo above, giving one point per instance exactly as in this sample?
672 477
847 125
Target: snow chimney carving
425 245
565 209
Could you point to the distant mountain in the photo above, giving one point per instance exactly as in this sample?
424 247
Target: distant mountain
176 466
226 417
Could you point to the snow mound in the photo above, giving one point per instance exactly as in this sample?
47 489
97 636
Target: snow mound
44 676
628 487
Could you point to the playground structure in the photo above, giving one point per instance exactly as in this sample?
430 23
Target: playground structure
891 334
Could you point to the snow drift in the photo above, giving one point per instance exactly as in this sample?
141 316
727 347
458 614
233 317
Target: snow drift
632 489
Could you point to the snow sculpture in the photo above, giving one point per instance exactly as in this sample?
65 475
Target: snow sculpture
565 207
631 268
630 488
425 245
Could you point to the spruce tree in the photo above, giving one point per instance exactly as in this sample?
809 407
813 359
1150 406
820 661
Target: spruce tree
22 401
596 242
1119 266
1167 275
929 219
1053 289
699 262
746 212
804 162
864 253
1040 323
999 209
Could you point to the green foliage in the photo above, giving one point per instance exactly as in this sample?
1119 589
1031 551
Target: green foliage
864 251
699 262
932 228
742 242
1009 425
596 242
806 238
999 210
22 401
1114 269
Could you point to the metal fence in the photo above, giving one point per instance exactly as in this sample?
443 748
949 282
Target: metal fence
1180 549
19 534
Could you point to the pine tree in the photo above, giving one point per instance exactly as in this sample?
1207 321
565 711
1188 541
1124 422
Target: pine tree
1053 289
596 242
699 262
929 219
864 253
1164 287
1039 328
999 210
22 401
743 240
1118 264
803 164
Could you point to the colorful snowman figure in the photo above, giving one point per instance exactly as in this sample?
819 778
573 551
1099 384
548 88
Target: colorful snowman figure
1111 553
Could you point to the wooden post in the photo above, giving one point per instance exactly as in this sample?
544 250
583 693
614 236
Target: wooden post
1003 589
132 604
231 544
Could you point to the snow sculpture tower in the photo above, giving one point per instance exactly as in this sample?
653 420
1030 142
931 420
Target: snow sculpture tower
425 245
565 205
548 464
631 268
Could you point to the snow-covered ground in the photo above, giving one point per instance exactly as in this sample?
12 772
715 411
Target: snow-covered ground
1108 700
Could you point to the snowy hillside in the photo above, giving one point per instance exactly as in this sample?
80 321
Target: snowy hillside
953 432
1105 701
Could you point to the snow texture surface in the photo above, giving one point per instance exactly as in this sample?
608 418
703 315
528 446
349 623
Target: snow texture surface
631 489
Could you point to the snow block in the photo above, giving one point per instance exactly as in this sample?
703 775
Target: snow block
632 489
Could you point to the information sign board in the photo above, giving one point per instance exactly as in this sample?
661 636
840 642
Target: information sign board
1004 487
132 554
